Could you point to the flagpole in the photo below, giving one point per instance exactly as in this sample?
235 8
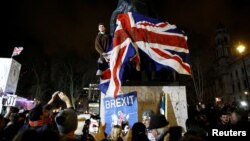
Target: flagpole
12 53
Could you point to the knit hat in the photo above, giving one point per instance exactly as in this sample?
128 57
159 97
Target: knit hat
157 121
66 121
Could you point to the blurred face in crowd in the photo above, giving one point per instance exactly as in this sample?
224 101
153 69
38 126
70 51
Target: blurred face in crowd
234 118
224 119
101 28
146 121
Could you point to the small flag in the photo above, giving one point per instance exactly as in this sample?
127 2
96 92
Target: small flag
17 51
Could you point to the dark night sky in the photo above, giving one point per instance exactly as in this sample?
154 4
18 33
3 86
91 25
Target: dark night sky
53 27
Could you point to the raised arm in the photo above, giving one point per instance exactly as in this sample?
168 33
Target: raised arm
65 99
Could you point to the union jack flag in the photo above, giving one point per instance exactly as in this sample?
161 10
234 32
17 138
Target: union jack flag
161 42
17 51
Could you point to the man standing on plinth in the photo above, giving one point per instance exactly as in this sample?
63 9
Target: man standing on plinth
102 44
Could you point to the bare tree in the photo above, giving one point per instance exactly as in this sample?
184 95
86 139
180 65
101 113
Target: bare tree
38 84
73 75
43 76
70 74
198 79
38 81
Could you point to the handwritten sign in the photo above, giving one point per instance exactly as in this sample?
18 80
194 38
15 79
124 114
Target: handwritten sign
10 100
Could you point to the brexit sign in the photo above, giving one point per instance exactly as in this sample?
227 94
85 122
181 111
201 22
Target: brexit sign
121 110
119 102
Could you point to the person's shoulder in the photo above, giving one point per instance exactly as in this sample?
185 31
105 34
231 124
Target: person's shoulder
98 35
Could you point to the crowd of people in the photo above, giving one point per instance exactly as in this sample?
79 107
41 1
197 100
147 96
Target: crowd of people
42 122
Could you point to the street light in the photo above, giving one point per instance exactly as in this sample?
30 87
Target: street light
241 49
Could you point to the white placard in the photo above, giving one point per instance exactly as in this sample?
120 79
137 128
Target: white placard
10 100
9 74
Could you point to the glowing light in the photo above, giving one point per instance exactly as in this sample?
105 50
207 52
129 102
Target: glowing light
243 103
217 99
241 48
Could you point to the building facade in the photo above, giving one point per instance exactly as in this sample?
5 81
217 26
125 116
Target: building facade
228 79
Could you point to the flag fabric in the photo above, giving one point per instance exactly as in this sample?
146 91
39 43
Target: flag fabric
17 51
112 77
135 35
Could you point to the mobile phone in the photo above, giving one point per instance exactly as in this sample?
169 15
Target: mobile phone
125 129
94 125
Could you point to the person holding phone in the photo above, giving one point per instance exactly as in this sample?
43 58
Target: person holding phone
116 132
94 125
66 119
